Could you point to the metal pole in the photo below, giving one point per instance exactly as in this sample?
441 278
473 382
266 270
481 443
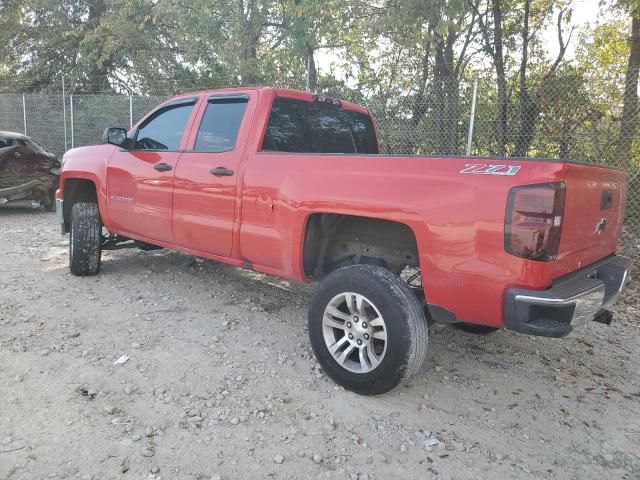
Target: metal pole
24 112
72 134
473 116
130 111
64 115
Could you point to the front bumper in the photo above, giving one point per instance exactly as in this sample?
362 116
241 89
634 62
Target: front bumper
60 214
571 301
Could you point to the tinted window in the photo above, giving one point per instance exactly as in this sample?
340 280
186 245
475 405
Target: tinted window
305 127
13 142
164 130
220 125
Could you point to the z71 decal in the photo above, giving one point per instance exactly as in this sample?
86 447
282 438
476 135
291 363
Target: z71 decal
484 169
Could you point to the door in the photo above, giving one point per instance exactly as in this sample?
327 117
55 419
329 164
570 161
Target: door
140 180
206 179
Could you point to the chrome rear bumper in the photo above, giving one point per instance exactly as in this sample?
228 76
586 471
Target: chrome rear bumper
571 301
60 214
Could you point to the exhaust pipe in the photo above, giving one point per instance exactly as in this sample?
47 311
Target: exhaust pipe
604 316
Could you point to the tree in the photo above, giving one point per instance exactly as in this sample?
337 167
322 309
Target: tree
529 103
629 121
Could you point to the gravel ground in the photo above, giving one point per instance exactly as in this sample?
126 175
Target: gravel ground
167 367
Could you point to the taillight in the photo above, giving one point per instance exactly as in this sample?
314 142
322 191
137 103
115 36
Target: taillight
534 221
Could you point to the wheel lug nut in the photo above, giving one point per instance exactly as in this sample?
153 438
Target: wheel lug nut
351 336
364 324
366 336
359 342
348 324
355 319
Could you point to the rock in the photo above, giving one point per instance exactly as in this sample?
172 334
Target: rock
124 465
607 457
403 448
234 421
279 459
122 360
148 452
317 458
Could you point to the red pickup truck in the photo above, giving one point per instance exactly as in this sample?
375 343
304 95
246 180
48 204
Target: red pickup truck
292 184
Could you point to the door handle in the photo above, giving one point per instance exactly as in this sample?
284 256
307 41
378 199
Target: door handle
221 172
17 154
162 167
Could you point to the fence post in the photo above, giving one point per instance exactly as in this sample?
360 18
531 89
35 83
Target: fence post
473 116
64 115
130 111
71 108
24 112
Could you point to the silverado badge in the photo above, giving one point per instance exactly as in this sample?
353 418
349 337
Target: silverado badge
484 169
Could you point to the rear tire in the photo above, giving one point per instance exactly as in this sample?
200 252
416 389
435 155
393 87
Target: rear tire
475 328
85 240
393 342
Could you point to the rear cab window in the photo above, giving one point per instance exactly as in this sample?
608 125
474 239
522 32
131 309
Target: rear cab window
301 126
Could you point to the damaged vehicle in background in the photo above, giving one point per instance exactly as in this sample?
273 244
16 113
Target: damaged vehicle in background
29 175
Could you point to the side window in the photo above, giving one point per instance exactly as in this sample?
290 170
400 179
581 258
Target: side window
305 127
287 127
12 142
164 130
220 124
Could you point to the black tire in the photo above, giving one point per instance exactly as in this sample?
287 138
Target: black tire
405 323
85 240
475 328
49 203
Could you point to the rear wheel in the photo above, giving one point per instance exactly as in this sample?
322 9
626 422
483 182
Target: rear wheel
367 329
475 328
85 239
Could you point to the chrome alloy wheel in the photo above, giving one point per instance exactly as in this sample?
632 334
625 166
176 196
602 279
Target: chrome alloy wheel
354 332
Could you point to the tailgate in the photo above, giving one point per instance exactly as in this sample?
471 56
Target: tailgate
593 215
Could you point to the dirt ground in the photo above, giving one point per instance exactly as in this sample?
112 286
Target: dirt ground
167 367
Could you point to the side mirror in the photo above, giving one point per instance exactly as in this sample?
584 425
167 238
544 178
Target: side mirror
115 136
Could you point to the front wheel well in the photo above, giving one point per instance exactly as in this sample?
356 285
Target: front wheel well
77 190
334 240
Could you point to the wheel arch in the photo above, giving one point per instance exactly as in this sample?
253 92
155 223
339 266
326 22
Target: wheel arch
332 240
75 190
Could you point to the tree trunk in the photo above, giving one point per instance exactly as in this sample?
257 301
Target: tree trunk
312 72
501 120
419 108
248 43
628 126
98 73
528 107
447 101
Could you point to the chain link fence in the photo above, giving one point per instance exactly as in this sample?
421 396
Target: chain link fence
559 119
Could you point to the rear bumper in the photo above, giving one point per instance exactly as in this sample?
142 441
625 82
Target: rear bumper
571 301
60 214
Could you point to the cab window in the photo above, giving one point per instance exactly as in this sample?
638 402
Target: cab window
313 127
220 124
163 131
